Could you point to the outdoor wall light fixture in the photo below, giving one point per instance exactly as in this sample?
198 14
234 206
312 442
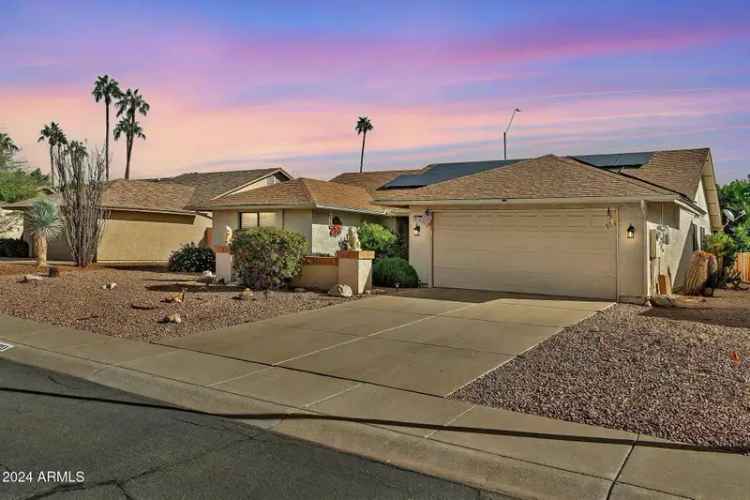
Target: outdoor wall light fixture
417 229
631 232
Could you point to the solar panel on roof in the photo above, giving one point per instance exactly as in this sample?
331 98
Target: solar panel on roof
440 172
615 160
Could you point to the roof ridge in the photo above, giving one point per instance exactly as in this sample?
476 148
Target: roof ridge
310 194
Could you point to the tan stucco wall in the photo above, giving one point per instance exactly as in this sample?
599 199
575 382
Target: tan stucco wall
299 221
320 277
631 263
148 237
312 224
684 227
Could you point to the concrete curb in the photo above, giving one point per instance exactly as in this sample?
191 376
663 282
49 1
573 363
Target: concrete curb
646 472
475 468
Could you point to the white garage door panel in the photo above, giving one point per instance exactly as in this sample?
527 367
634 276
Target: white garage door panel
554 252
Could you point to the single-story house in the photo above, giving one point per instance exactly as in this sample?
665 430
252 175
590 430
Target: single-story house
599 226
322 211
150 218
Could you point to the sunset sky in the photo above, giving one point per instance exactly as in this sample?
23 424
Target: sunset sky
236 85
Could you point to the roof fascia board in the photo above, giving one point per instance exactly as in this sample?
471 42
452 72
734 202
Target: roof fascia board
149 210
353 210
532 201
258 207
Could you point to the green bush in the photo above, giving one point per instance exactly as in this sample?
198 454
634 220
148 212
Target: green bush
389 271
267 257
381 240
15 248
720 244
191 258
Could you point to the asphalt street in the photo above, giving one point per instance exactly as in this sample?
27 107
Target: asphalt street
67 438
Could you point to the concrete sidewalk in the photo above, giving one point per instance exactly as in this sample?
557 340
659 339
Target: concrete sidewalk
515 454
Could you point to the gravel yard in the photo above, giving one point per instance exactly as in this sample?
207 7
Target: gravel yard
682 374
76 300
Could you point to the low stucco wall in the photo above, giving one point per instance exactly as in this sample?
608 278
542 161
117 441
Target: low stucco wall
319 273
148 237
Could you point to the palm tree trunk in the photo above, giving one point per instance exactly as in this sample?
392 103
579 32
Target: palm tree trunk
128 152
51 168
40 249
362 156
129 147
106 143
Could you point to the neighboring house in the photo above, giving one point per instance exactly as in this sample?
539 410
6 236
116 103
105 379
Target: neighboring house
149 219
308 206
600 226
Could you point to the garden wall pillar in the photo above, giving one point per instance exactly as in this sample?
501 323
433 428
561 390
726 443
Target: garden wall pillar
223 263
355 269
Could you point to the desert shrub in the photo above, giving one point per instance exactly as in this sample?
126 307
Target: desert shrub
191 258
11 247
267 257
389 271
381 240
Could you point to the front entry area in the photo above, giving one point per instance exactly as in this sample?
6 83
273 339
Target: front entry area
567 252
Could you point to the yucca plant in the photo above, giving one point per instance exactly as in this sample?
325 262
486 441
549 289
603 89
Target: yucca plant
43 222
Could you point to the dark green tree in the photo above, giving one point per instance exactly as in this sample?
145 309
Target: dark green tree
54 136
8 149
129 104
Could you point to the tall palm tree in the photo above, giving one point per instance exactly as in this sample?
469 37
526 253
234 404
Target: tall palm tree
106 88
364 125
43 222
130 103
55 138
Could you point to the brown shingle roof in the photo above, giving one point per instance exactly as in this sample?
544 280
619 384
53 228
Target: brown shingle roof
209 185
544 177
132 195
371 180
146 195
300 193
678 170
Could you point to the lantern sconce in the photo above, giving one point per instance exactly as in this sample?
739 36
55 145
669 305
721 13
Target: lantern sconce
417 229
631 232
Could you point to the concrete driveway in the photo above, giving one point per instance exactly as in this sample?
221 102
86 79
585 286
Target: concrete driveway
433 343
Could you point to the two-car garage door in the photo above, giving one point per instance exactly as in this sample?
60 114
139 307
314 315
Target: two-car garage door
551 252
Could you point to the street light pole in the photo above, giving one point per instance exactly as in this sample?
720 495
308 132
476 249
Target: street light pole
505 133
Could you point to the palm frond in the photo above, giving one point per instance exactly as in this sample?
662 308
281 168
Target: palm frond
43 218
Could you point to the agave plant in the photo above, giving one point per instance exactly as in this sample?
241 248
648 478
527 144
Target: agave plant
43 222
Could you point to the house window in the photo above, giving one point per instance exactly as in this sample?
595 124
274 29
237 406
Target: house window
696 236
702 238
259 219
